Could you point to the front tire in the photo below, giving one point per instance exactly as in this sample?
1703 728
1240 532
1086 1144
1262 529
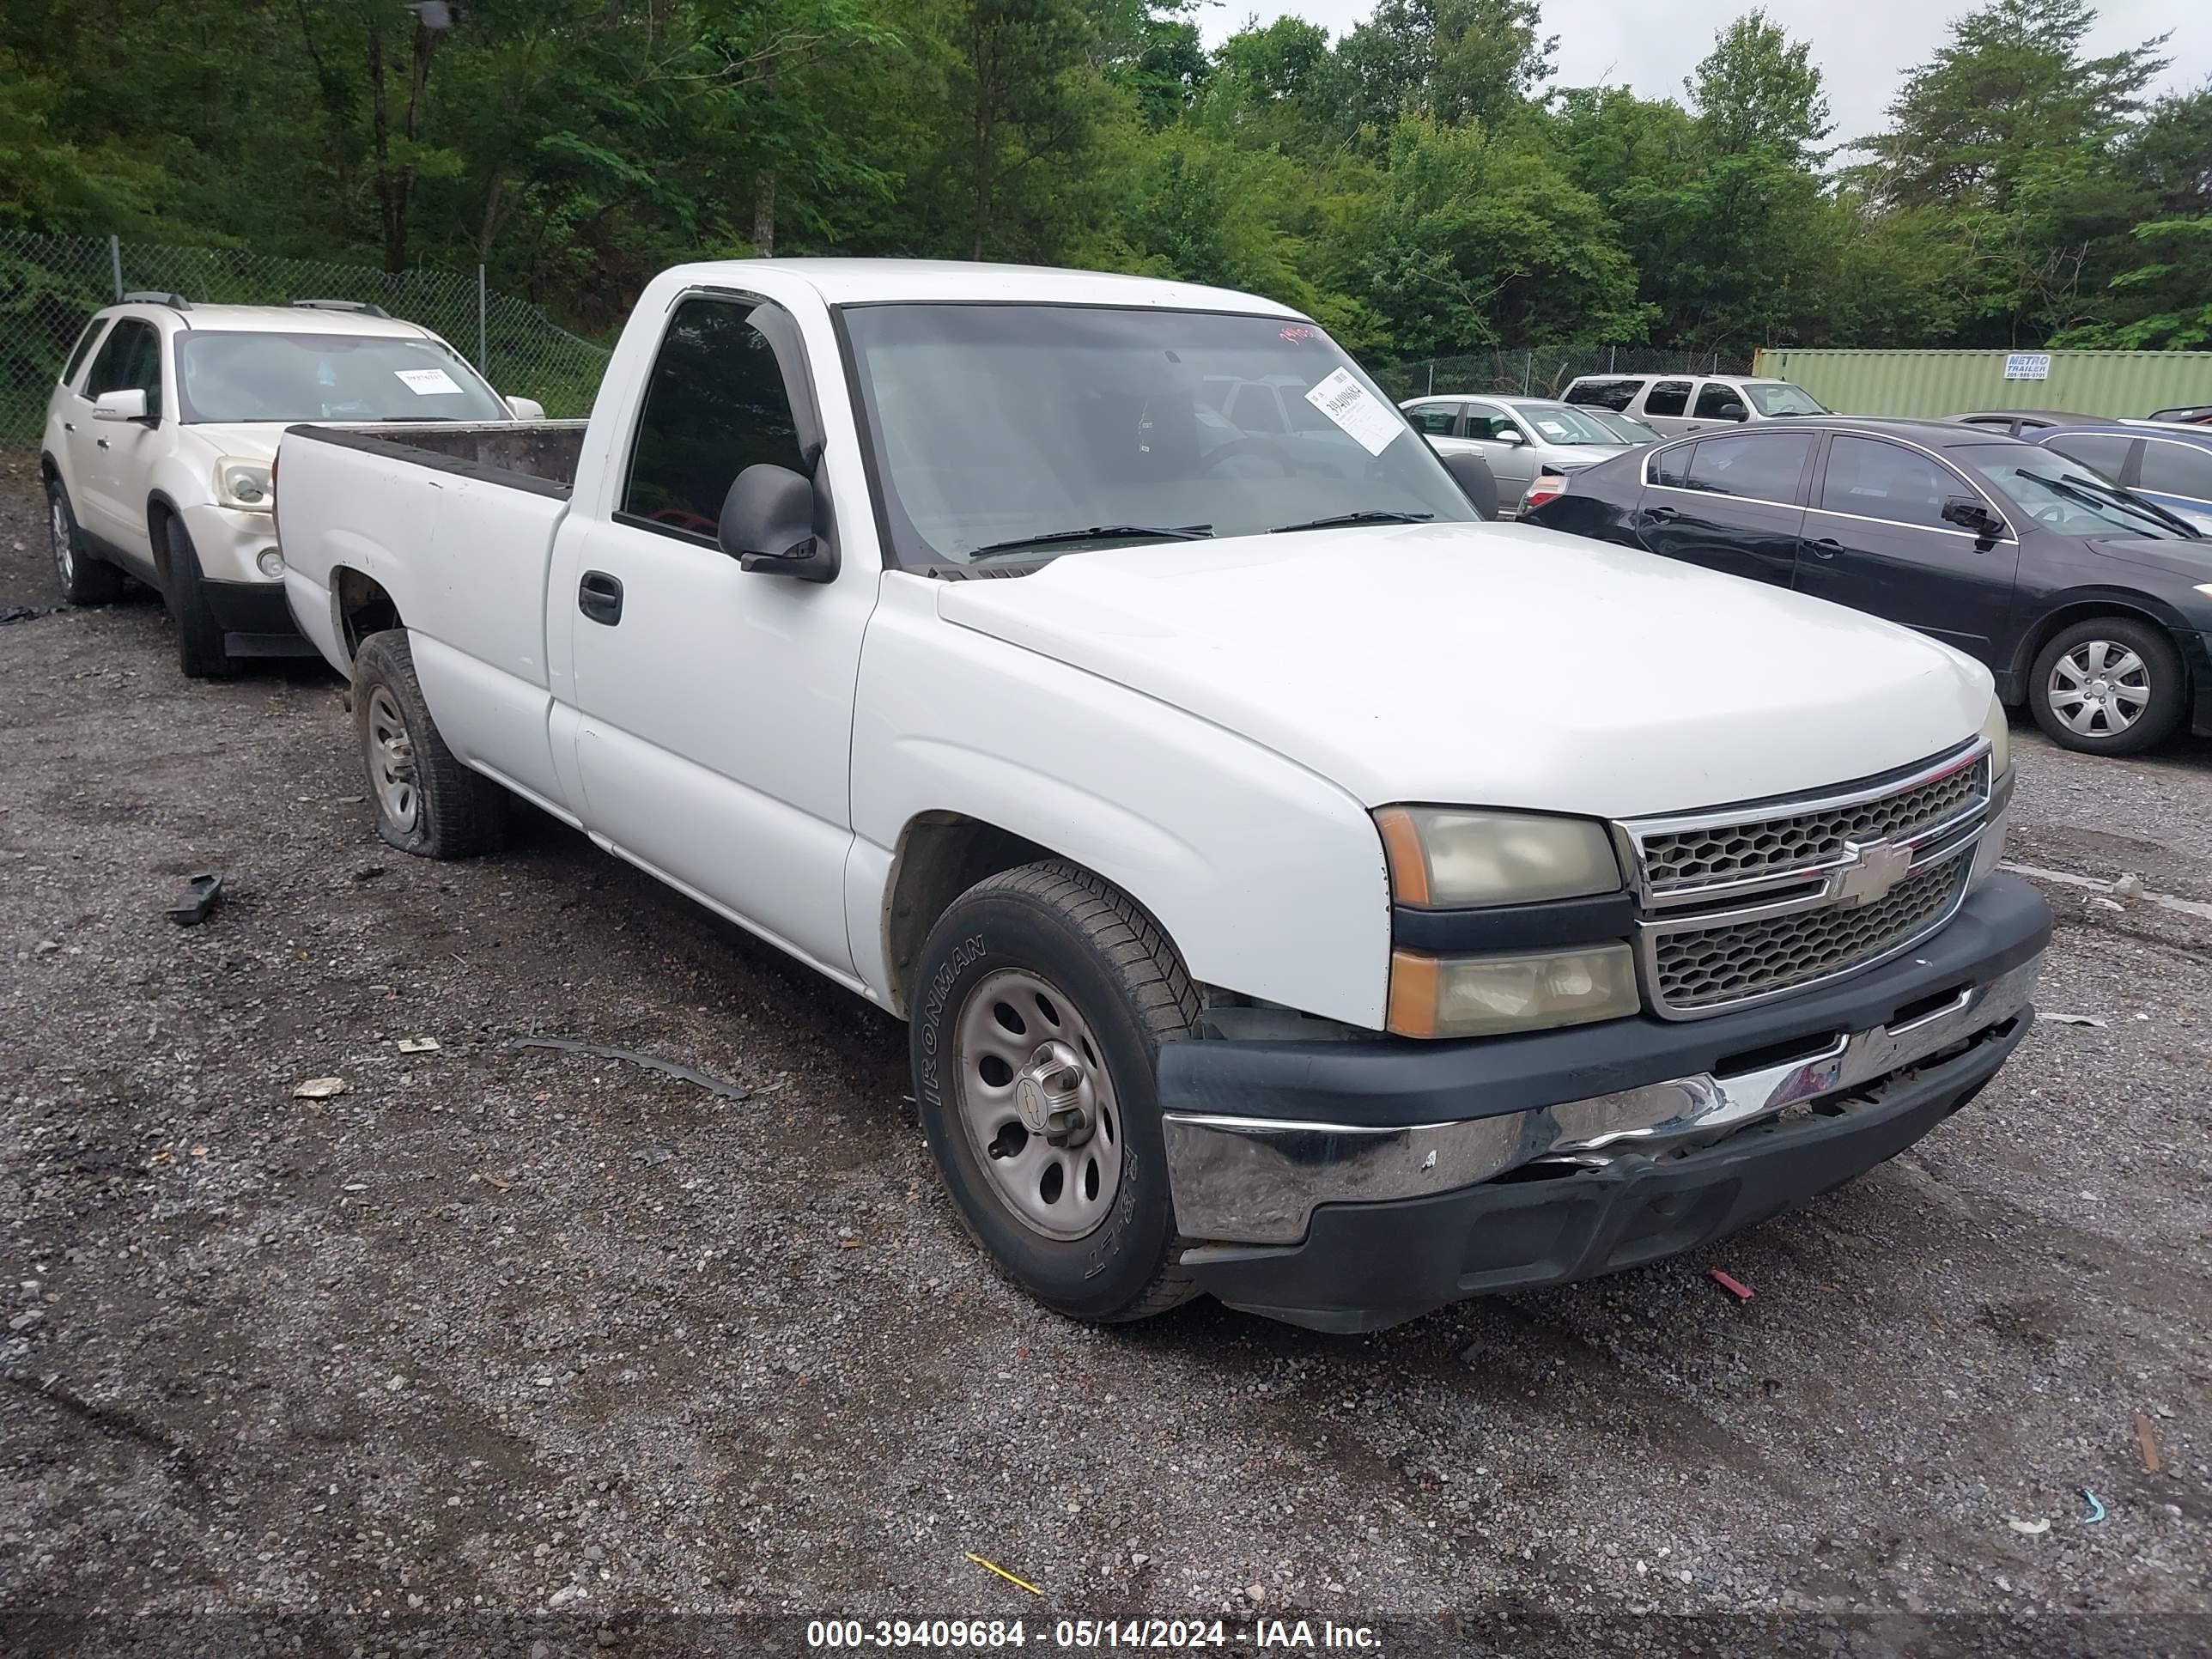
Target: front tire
1044 994
2111 685
84 579
426 801
200 651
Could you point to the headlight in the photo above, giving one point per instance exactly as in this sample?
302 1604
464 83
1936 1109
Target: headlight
1443 857
244 486
1998 730
1484 996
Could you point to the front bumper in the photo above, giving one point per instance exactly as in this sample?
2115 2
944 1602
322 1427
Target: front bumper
1356 1184
256 619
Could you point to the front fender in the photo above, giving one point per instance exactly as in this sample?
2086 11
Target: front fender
1269 879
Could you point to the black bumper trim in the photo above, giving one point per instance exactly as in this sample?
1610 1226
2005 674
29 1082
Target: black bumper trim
1398 1082
256 619
1368 1267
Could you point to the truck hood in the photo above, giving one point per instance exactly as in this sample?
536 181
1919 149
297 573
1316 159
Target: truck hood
1496 665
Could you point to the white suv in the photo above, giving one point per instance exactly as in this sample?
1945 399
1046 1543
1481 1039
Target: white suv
1673 405
160 435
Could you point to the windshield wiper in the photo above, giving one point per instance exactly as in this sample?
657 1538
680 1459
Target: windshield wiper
1181 533
1372 515
2109 499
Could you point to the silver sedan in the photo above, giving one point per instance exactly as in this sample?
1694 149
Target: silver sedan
1521 438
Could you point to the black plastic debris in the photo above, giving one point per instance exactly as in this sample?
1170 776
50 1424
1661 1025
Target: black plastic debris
201 893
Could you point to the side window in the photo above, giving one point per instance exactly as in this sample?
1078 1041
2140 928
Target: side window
1615 395
85 342
1433 420
2176 468
1488 422
2106 454
1877 480
715 404
1719 401
1671 467
1765 467
1668 398
110 370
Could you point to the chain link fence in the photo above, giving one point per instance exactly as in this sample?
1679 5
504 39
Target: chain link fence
1544 371
49 285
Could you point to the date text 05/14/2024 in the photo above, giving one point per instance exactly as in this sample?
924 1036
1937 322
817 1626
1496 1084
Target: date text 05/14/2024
973 1635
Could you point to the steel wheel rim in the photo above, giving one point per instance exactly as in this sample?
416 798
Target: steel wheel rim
1023 1051
2100 688
58 526
392 760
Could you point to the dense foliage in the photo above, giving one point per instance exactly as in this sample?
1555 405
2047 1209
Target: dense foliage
1420 183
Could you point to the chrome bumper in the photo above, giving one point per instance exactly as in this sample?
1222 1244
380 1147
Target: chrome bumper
1258 1179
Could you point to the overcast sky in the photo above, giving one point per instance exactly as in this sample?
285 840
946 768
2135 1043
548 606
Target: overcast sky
1861 45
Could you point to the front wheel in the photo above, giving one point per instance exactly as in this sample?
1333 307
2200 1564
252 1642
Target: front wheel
84 579
200 650
1044 995
2111 685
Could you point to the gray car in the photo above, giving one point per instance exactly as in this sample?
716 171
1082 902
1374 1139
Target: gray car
1520 437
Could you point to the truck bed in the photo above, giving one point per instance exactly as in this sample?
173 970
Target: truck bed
540 455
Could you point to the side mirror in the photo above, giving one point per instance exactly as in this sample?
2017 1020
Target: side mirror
1506 434
1475 480
1968 514
768 525
120 405
526 408
1732 410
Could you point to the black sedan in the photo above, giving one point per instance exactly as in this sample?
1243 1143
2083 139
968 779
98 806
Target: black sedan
2088 604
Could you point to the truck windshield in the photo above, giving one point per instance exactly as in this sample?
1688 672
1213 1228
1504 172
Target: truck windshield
1001 433
245 376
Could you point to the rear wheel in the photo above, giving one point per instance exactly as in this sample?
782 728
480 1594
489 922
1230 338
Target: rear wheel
426 801
2111 685
1045 995
85 578
200 651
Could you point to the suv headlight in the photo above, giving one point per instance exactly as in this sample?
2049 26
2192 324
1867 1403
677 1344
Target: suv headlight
1450 858
244 486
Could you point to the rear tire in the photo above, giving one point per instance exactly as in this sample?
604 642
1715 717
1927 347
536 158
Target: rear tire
1044 996
85 578
200 651
2109 685
426 801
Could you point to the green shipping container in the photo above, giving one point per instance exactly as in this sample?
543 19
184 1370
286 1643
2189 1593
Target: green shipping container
1939 383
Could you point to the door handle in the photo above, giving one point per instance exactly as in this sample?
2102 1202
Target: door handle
102 442
599 597
68 425
1661 515
1826 548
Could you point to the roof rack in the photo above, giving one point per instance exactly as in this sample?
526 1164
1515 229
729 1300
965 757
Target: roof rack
361 306
147 297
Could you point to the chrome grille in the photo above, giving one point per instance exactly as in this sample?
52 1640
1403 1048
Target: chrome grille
1707 967
1704 855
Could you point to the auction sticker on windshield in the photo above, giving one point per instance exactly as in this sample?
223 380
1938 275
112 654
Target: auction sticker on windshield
1366 420
426 382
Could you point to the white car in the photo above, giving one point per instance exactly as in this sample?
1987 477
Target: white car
1297 888
160 435
1673 405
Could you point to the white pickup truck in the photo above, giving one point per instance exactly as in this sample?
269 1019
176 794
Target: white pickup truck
1299 890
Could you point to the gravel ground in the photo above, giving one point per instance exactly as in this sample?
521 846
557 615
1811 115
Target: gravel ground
517 1329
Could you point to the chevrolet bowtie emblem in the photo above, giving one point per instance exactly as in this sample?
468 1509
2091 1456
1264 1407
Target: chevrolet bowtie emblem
1874 869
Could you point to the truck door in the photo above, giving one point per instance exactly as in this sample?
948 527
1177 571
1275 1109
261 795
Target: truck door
716 704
